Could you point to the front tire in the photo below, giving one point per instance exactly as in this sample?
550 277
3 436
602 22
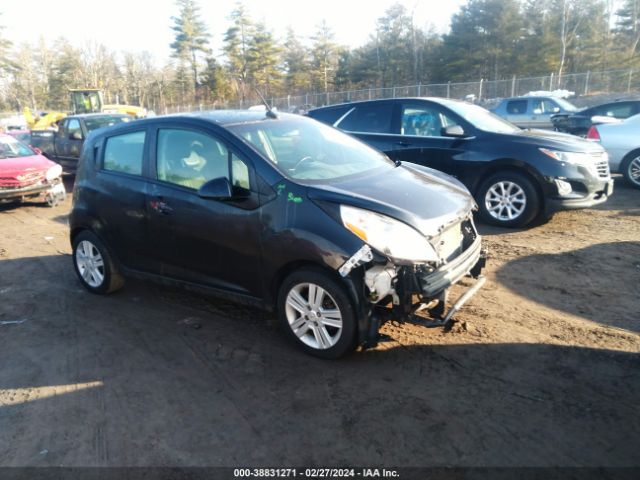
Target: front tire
631 170
315 312
94 265
508 199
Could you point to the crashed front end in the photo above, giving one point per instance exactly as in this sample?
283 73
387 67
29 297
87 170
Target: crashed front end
399 288
40 186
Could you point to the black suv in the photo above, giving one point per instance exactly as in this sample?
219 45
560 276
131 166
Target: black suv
579 123
515 175
283 212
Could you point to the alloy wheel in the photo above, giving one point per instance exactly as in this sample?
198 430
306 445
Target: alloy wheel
505 201
634 170
313 316
90 263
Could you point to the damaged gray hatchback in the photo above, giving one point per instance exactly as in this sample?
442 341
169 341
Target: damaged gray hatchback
280 211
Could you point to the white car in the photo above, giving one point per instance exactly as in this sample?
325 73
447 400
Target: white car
622 143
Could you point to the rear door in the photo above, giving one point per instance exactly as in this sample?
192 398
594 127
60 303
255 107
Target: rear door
120 193
373 123
517 112
203 241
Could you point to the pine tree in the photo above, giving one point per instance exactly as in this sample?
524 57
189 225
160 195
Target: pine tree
296 64
236 46
191 38
263 57
324 54
627 32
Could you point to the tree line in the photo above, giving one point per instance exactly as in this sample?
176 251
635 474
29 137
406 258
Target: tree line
489 39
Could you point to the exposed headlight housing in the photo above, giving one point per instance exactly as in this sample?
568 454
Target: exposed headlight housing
53 173
387 235
575 158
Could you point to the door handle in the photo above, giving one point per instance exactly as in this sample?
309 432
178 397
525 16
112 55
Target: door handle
159 205
403 143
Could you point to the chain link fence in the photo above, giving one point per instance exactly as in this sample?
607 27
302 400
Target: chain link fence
621 82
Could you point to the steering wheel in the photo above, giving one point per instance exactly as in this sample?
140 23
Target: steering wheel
301 161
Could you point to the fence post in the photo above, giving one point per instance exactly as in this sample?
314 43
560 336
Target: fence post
551 82
513 86
586 83
419 89
369 94
629 82
394 92
480 90
449 89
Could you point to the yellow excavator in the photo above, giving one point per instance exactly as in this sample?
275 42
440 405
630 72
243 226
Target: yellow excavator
88 100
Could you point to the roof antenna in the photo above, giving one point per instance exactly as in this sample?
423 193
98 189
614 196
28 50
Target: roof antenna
270 112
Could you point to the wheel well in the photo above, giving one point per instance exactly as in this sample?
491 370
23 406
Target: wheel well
513 169
76 231
288 269
632 154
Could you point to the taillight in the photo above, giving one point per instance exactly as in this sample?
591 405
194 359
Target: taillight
593 134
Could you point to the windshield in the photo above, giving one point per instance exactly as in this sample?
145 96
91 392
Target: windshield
12 148
304 149
569 107
482 119
94 123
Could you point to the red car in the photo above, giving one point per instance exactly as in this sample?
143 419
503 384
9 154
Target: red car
27 175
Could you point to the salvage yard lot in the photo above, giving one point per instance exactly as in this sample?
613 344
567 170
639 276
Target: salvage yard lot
542 367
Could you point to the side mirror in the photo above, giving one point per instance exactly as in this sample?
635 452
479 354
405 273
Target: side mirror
556 109
216 189
36 150
75 135
537 111
453 131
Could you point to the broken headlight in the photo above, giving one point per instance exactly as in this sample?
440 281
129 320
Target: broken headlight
387 235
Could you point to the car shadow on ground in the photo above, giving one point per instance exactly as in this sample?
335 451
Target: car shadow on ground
606 271
128 379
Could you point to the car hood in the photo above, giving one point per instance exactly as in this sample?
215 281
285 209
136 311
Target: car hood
555 140
426 199
14 167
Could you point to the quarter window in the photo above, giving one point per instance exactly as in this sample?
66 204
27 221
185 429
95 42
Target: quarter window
123 153
369 119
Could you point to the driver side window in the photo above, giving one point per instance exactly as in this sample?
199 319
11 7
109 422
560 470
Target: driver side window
191 159
424 121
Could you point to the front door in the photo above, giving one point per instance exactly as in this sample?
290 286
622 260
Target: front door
422 139
69 143
209 242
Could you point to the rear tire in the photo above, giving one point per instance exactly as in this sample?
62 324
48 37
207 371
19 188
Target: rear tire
630 168
508 199
94 264
315 312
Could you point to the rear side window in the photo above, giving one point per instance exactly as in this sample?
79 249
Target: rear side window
330 115
517 107
621 110
369 119
123 153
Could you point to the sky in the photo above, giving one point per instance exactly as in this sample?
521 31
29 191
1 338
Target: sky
144 25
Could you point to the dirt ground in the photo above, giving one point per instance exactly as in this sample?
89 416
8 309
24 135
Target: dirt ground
542 367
